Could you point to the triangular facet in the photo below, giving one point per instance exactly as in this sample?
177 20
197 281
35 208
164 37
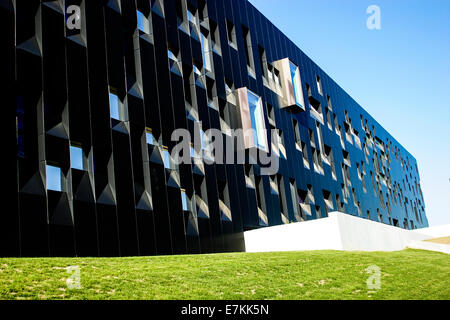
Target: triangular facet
59 131
122 126
136 91
58 6
78 38
158 9
32 46
156 156
35 185
62 215
115 5
107 196
202 208
173 180
192 226
145 203
84 190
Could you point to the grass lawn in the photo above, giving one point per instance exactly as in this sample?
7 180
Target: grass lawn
409 274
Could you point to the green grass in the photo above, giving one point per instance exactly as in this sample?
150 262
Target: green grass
409 274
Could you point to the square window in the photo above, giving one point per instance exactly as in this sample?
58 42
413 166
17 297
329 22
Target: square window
76 158
53 178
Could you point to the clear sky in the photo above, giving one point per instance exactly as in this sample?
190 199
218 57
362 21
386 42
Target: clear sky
399 74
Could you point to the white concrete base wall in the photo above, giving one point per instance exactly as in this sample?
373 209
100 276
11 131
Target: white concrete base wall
423 245
339 231
436 232
321 234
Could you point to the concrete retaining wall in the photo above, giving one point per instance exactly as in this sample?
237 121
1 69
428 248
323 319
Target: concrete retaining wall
339 231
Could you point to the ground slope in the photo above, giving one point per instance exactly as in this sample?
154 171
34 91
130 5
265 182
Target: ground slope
409 274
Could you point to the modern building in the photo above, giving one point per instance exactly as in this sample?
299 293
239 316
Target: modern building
95 89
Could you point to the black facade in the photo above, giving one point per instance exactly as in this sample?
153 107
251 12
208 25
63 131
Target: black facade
96 106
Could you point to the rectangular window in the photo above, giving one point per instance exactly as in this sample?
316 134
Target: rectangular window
114 106
53 178
76 157
297 85
257 120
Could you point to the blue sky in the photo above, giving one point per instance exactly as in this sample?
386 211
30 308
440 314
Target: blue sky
399 74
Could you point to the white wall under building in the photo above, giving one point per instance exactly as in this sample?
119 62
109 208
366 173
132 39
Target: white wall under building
339 231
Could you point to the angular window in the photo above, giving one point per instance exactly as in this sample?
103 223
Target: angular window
328 155
295 200
206 50
316 109
279 138
249 177
297 85
201 197
257 120
53 178
319 85
298 140
260 200
231 33
167 158
249 51
328 199
346 157
305 155
330 106
282 198
191 16
174 60
143 23
182 13
215 37
184 200
149 138
271 116
328 116
341 205
263 62
114 106
76 157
